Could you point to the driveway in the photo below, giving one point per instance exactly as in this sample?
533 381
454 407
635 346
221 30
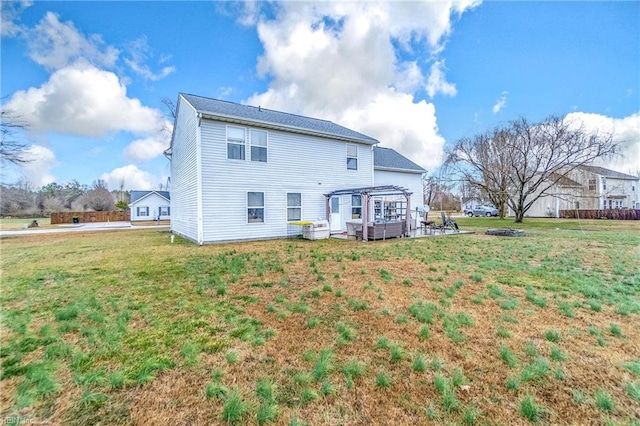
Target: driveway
83 227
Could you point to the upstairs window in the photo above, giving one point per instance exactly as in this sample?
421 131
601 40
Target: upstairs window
294 206
235 143
255 207
352 157
604 185
592 184
258 145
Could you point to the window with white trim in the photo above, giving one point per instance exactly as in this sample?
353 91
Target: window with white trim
352 156
294 206
592 184
235 143
258 145
604 184
142 211
356 207
164 210
255 207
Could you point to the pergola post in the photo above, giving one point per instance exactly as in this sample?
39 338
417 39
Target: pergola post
365 216
407 215
328 207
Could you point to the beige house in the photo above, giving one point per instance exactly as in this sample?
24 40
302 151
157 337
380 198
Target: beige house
588 188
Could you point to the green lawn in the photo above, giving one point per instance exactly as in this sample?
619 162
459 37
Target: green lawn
16 224
124 327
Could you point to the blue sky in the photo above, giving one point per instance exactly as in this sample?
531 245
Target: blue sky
89 77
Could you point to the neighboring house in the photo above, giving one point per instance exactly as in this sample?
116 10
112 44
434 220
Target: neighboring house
588 188
240 172
150 205
607 189
392 168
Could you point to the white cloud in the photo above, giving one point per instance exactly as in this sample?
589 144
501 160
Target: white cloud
224 92
339 61
55 45
37 168
85 101
10 12
408 127
500 103
626 131
437 82
149 147
409 77
139 52
130 177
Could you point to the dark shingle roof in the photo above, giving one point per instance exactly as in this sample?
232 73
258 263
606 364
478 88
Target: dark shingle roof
608 173
136 195
387 158
269 118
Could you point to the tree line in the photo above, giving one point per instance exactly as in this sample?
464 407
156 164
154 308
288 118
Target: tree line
21 199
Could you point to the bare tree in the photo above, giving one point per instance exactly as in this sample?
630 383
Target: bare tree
483 162
99 198
11 148
170 107
18 199
522 162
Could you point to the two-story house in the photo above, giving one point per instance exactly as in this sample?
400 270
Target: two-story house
588 188
607 189
240 172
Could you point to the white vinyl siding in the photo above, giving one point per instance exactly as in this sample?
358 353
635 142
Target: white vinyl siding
411 181
184 172
311 166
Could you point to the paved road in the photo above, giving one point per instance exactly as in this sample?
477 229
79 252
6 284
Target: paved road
84 227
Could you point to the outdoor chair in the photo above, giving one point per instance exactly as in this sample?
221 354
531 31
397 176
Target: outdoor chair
447 223
428 225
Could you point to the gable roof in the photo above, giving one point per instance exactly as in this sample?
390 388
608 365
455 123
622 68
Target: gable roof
246 114
139 195
608 173
389 159
563 180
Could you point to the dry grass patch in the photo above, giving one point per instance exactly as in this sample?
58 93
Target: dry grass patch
145 331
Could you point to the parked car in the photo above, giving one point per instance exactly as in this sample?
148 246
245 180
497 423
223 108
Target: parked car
487 211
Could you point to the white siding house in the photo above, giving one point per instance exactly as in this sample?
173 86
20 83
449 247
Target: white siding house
392 168
242 173
150 205
588 188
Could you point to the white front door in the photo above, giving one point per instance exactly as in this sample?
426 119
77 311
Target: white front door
336 216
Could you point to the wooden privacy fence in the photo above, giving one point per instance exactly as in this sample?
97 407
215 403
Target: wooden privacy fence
87 217
619 214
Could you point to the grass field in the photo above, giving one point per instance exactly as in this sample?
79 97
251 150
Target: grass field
18 224
124 327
